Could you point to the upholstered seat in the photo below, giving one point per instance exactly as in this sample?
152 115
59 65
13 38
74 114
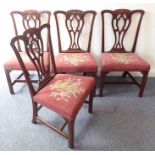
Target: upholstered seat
123 62
75 62
65 94
13 64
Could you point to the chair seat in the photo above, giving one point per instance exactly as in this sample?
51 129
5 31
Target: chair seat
75 62
65 94
13 64
123 62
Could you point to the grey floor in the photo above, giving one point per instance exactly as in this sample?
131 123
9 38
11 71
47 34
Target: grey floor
120 121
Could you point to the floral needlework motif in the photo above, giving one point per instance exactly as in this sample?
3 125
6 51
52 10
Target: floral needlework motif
121 58
73 59
64 89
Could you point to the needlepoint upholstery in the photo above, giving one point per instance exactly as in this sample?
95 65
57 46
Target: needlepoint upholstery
75 62
65 94
123 61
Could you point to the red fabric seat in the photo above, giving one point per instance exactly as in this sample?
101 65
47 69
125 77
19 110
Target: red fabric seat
123 62
13 64
65 94
75 62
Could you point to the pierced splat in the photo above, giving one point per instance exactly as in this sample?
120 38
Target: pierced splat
121 21
120 25
35 50
33 40
74 22
29 19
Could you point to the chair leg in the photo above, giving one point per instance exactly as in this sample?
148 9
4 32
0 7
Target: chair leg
7 73
71 134
35 112
90 106
102 78
95 76
143 82
124 74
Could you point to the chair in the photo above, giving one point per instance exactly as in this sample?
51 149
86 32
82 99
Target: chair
74 29
61 93
23 20
118 58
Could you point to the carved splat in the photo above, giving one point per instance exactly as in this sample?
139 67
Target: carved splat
74 22
36 51
29 19
120 25
121 21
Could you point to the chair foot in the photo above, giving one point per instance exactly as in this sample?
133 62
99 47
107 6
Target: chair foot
71 134
7 73
35 112
143 83
34 121
90 106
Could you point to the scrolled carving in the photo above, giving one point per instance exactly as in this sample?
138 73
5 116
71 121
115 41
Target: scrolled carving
29 19
120 22
74 22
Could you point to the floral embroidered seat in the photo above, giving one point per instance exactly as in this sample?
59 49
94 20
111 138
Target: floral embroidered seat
75 56
75 62
117 57
123 61
65 94
61 93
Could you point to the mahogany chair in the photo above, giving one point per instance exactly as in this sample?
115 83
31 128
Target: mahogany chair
61 93
23 20
74 29
118 58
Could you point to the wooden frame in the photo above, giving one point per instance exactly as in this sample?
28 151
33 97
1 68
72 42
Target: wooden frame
118 46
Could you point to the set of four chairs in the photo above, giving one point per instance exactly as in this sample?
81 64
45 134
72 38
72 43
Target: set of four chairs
58 90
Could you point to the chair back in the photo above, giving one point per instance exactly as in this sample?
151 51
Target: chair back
23 20
74 29
33 42
125 25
